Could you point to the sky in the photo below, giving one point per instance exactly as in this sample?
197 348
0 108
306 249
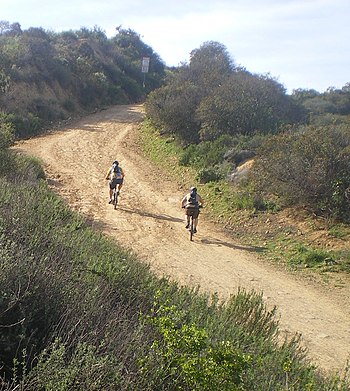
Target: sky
301 43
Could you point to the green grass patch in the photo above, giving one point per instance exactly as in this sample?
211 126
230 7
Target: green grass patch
165 152
299 255
308 257
340 231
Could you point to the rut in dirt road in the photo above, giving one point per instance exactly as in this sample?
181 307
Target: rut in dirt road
149 220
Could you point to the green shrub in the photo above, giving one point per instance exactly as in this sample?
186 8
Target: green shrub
207 154
4 82
61 368
309 167
206 175
29 169
7 136
6 140
69 105
183 356
26 125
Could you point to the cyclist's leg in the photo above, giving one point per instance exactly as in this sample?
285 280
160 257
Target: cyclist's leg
195 223
119 185
195 219
111 188
110 194
188 218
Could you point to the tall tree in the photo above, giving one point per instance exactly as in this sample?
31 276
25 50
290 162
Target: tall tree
210 66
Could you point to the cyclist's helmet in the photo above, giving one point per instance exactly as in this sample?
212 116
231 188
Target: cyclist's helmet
115 163
193 189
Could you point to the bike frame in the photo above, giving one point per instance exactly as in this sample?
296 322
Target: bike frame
191 228
115 197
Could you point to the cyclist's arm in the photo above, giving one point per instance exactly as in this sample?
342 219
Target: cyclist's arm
200 199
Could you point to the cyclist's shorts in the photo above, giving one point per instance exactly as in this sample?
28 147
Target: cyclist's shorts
192 212
114 182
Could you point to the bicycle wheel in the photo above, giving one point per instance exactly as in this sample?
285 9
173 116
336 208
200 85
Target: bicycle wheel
191 229
115 199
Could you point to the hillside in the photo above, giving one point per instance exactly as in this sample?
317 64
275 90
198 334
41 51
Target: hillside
150 222
48 77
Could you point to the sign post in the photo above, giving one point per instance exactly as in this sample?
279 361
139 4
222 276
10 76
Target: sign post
145 68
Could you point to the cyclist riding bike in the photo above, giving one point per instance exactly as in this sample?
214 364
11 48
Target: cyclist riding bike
115 175
192 201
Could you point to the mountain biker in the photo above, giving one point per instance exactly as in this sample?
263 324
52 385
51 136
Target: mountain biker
192 201
115 175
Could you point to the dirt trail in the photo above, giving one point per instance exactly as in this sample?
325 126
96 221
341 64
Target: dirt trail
149 221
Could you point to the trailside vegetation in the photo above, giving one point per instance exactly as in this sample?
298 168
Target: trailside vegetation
308 166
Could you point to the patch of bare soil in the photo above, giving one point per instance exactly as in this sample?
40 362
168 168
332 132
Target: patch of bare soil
149 221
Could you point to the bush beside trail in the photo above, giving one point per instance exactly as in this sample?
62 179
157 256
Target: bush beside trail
309 167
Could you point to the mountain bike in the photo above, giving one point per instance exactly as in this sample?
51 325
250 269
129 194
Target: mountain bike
191 229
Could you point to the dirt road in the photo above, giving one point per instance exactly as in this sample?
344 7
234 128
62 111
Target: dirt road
150 221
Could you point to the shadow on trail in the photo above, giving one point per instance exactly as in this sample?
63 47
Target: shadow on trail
218 242
151 215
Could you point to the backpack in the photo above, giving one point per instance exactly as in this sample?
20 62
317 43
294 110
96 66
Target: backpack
117 172
192 200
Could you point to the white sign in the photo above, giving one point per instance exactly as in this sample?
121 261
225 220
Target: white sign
145 64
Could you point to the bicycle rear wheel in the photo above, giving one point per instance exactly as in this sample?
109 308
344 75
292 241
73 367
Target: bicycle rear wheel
191 229
115 199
